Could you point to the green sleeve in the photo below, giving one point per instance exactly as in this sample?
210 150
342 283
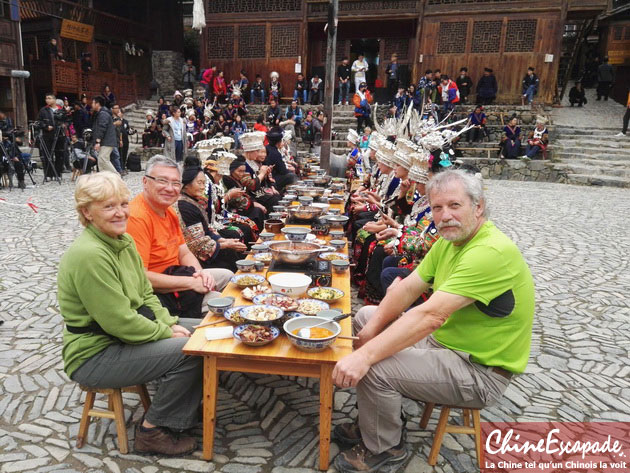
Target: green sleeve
481 274
109 306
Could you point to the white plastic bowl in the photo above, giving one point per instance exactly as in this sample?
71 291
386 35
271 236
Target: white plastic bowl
291 284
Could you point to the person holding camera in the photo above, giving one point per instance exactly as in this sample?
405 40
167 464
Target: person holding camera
53 167
189 72
104 134
10 156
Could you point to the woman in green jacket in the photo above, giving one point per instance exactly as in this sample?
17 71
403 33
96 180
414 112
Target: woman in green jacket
117 333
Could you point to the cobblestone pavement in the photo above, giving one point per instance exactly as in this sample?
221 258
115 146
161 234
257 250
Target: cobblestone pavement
575 239
599 114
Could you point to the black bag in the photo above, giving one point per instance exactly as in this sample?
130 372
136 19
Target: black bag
134 163
182 303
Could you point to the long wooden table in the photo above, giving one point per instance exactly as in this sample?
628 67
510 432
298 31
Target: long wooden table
279 357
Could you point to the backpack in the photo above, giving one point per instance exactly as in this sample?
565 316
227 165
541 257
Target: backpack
134 163
200 76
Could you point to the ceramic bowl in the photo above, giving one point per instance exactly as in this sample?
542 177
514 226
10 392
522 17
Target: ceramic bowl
336 220
259 248
305 200
340 265
336 234
245 265
219 305
290 284
295 233
310 344
267 236
336 244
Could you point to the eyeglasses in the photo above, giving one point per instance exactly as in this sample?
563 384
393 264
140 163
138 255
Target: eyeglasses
165 182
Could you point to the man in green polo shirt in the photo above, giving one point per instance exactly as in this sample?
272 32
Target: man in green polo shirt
461 347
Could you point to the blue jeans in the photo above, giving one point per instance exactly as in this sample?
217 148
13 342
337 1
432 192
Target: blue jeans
115 159
529 93
531 151
304 97
254 93
344 90
179 151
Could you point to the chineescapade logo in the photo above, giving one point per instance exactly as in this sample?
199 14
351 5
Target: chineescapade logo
555 447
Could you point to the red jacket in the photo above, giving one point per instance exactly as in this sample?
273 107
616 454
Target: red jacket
208 76
453 92
219 86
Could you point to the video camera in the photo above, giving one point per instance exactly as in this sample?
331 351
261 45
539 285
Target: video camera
61 116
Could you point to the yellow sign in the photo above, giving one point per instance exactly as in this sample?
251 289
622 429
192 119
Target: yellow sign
78 31
618 57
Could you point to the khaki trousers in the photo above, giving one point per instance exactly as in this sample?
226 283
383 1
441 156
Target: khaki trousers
104 163
221 278
425 372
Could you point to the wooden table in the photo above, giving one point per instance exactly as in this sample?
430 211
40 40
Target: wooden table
279 357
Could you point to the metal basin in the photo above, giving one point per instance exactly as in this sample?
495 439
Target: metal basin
305 212
295 252
311 191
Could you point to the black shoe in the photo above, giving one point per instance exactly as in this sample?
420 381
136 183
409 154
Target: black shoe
22 184
360 459
347 433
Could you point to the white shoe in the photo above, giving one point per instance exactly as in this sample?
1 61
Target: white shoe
525 158
620 134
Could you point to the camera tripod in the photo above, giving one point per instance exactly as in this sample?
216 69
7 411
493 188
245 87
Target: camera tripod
48 163
10 151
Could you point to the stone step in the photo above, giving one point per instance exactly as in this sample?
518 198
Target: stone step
598 180
584 169
592 151
586 131
565 154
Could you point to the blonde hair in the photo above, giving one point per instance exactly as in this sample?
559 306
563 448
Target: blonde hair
97 187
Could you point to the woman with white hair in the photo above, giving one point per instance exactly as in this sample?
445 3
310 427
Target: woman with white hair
537 140
275 88
117 333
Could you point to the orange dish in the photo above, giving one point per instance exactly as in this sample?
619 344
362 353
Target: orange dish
316 332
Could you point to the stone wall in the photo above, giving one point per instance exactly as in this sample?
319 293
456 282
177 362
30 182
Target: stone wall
167 68
517 170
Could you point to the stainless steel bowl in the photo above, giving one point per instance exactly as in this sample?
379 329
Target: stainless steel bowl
294 252
305 212
311 191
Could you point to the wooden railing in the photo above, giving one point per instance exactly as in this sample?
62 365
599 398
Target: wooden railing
67 77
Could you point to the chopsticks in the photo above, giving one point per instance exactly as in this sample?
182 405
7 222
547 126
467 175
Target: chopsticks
344 337
209 324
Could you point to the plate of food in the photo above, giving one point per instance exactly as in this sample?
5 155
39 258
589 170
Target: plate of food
330 256
311 306
325 293
245 280
250 292
233 314
277 300
264 257
261 314
255 335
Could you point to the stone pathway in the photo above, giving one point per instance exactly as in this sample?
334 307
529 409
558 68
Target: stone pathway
579 366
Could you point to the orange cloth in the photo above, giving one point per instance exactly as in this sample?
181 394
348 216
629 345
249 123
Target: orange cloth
157 238
628 104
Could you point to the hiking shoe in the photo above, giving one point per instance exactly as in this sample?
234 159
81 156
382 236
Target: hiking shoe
360 459
161 441
347 433
620 134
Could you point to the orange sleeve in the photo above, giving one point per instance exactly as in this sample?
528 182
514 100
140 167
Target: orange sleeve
141 232
356 100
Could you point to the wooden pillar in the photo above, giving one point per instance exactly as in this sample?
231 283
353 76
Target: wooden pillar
329 92
416 69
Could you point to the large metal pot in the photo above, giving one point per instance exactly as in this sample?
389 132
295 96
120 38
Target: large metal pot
295 252
311 191
305 212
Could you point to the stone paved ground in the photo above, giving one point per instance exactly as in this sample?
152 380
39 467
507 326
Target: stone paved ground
600 114
575 239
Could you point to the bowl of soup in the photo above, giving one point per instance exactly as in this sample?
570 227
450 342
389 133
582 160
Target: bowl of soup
320 338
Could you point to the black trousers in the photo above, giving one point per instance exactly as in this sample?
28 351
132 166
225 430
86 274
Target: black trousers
364 121
124 151
603 89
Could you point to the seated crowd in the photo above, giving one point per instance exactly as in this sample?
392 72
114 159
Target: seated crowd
430 267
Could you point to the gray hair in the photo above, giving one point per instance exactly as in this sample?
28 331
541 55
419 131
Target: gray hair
472 184
161 160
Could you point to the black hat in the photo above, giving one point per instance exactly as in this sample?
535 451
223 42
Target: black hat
487 69
274 135
237 163
189 174
362 84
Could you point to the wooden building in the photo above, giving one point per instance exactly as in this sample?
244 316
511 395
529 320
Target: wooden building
11 88
121 37
616 45
507 35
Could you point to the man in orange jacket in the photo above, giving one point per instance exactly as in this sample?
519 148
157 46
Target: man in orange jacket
362 109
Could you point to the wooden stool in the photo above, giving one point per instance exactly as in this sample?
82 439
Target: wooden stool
115 410
444 427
